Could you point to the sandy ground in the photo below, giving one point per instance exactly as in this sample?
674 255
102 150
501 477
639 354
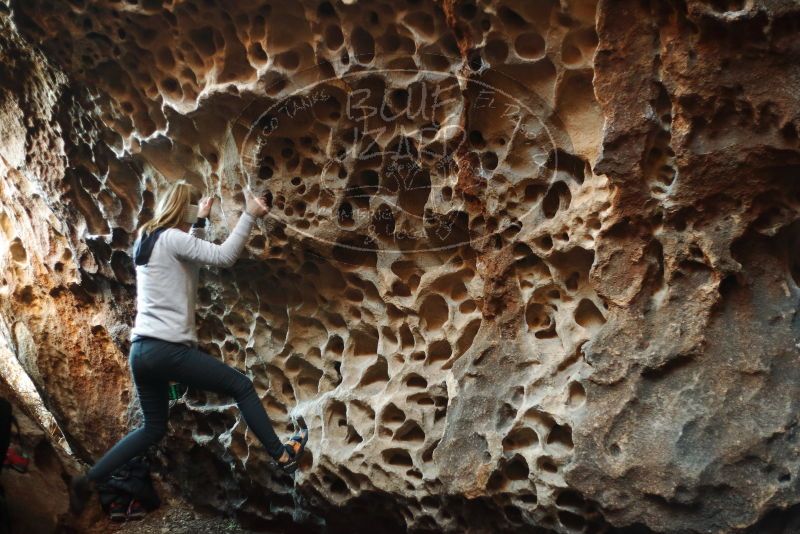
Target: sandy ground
175 516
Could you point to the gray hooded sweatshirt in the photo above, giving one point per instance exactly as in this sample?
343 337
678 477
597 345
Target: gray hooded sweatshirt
166 285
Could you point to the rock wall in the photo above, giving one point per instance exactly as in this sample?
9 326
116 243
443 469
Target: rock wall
37 499
530 265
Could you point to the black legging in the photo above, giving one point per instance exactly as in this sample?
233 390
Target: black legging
153 364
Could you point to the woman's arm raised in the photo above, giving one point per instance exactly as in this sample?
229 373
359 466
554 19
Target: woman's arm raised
193 249
198 229
190 248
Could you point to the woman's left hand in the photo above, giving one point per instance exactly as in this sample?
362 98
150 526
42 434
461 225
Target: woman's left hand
205 207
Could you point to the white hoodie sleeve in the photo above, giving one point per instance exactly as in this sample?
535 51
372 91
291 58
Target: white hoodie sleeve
193 249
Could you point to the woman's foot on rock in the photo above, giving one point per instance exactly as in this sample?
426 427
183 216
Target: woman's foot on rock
294 451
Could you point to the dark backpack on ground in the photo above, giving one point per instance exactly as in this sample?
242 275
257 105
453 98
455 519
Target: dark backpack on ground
128 483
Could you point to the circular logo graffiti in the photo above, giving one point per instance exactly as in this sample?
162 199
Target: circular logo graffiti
396 159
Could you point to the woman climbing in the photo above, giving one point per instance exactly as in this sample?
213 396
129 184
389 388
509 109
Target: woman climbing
168 253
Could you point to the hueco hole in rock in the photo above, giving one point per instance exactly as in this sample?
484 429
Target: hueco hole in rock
458 266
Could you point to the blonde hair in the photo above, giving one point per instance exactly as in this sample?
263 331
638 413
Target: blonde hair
171 207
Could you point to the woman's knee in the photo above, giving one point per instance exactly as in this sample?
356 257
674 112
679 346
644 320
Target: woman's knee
155 432
243 386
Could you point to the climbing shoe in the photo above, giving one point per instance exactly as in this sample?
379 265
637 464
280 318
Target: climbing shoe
136 510
118 510
294 449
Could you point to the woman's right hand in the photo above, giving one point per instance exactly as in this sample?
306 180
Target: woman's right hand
255 206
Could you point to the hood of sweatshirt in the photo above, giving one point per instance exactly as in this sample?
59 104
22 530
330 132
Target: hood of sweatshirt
144 246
